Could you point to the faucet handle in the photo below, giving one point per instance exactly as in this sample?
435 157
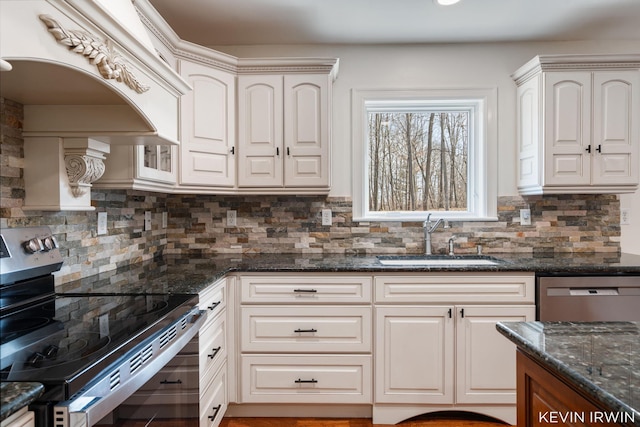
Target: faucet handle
451 247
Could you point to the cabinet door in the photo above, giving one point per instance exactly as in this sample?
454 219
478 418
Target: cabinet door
529 133
260 131
306 131
486 361
207 127
567 128
156 163
615 127
414 355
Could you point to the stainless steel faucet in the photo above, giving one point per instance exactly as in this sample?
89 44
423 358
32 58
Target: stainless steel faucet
428 229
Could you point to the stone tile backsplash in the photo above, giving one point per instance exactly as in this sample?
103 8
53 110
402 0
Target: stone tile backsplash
197 223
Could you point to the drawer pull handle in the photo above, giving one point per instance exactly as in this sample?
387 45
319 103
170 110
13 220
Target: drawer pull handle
306 330
216 409
215 304
311 381
215 351
310 291
171 382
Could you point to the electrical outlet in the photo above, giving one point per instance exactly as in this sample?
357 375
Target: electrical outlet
102 223
165 219
231 218
147 221
326 216
525 216
625 216
104 325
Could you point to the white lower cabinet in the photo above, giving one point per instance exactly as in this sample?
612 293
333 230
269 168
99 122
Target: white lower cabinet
447 355
305 339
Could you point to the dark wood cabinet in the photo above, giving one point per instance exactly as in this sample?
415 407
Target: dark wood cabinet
546 399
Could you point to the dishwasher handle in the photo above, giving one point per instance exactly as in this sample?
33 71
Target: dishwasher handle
593 291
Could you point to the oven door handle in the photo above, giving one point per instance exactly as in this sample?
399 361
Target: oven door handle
122 378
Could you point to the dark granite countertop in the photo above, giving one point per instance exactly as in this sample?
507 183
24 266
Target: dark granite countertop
600 358
189 274
15 396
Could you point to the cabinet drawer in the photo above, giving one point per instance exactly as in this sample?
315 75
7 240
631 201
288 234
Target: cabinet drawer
456 288
305 289
214 298
22 418
173 378
306 379
213 347
214 400
323 329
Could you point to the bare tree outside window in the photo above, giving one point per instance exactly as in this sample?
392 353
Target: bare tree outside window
418 161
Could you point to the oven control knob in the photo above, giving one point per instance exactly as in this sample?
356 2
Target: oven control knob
33 245
35 360
51 352
49 243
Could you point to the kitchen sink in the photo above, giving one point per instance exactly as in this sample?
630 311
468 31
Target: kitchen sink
438 260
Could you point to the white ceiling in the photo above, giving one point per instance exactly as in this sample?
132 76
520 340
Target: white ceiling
255 22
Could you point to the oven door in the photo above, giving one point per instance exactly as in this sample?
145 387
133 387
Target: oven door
123 377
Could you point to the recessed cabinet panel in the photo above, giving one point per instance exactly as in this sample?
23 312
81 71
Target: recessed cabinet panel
569 165
208 116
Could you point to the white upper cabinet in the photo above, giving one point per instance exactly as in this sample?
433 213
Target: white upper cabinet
284 132
578 124
207 127
260 131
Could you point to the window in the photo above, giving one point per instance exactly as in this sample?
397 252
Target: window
424 151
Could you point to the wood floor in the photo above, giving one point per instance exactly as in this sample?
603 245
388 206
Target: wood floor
449 420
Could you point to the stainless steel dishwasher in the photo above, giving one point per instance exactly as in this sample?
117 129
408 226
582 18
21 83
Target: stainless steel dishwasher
588 298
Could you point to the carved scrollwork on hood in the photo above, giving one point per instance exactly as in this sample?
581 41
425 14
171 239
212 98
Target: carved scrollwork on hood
110 64
82 170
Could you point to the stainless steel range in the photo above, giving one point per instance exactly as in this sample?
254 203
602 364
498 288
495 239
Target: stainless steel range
91 351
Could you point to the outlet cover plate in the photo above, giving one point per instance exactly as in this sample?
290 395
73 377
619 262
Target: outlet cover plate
102 223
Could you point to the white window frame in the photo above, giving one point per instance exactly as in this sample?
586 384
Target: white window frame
482 189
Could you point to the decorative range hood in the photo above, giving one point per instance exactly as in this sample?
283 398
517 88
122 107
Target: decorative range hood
88 77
